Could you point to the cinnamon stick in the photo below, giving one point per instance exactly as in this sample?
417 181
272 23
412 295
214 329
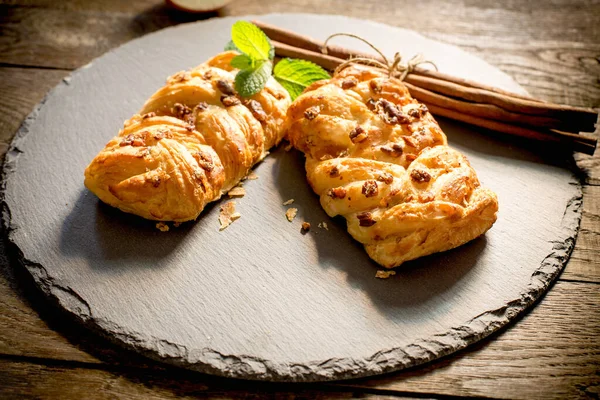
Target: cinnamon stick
580 143
305 42
573 119
488 111
492 109
578 119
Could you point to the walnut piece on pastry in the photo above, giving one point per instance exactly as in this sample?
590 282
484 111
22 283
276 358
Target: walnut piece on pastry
192 141
377 157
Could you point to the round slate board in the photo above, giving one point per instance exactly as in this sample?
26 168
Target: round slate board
259 300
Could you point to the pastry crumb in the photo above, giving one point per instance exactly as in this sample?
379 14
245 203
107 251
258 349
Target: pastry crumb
252 176
381 274
237 191
176 224
291 213
323 225
288 147
305 227
228 215
288 202
161 226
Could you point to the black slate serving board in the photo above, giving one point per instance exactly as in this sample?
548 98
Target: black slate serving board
259 300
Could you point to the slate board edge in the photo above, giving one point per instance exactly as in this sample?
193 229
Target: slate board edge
248 367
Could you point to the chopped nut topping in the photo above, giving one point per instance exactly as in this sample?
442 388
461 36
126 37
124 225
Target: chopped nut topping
391 114
365 219
385 177
409 140
375 86
349 83
357 134
371 104
227 215
288 202
370 189
132 140
381 274
420 176
205 161
161 226
305 227
237 191
180 76
156 181
334 172
411 157
291 213
394 150
337 193
149 115
184 113
418 112
229 101
225 87
312 112
256 109
426 197
252 176
201 106
207 75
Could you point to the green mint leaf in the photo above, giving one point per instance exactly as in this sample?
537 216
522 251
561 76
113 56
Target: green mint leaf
296 75
250 40
251 81
241 62
231 46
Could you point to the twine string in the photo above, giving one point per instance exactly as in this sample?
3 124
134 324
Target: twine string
394 68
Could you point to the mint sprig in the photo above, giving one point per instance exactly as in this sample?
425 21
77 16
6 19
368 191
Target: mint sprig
296 75
251 81
256 63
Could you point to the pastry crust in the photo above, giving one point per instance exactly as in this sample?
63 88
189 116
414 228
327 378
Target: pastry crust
377 157
192 141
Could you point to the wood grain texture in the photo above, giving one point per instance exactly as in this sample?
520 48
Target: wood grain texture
542 344
66 382
520 39
515 35
584 264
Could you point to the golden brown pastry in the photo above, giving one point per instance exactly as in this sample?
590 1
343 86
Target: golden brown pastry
193 140
377 157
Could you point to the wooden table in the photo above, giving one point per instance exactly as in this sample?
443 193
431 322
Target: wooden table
552 49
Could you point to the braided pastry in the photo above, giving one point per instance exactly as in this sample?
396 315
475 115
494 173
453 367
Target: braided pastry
193 140
377 157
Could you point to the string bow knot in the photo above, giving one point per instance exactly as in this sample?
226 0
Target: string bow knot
394 68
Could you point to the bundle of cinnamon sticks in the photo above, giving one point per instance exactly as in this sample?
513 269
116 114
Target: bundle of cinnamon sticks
461 99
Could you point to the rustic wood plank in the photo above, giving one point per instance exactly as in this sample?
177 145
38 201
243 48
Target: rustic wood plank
130 6
542 356
68 39
584 264
64 382
552 353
